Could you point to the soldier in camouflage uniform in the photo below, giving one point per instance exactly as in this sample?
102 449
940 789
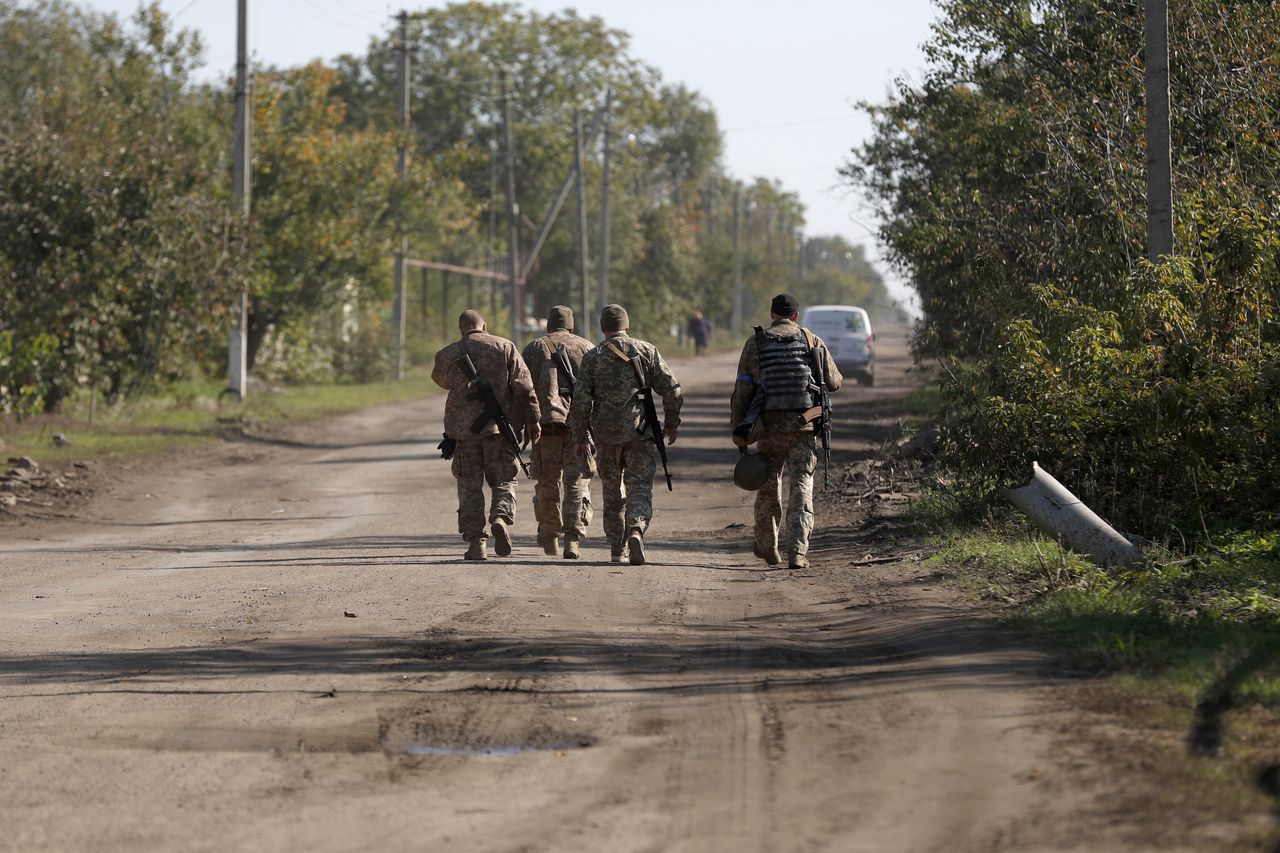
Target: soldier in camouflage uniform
605 403
777 371
484 456
562 497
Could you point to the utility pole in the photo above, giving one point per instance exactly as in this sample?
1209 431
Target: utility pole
584 284
1159 148
736 321
602 294
402 172
513 211
238 350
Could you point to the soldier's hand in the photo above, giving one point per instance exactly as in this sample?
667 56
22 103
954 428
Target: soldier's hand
740 439
534 430
669 433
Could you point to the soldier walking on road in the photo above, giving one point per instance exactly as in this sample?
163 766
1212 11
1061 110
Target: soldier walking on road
480 452
562 496
605 401
773 400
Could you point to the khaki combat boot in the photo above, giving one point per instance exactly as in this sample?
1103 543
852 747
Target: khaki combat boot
767 553
549 545
475 550
635 547
501 539
571 551
798 561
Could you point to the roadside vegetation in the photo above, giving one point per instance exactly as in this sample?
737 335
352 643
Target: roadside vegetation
1010 181
187 414
120 256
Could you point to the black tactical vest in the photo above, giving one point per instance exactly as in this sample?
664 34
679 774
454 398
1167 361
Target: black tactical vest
786 374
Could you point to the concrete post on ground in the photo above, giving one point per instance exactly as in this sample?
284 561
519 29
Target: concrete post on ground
1060 514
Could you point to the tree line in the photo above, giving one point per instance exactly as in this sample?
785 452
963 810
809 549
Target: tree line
1011 184
120 256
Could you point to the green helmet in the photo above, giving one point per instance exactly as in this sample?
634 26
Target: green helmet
751 471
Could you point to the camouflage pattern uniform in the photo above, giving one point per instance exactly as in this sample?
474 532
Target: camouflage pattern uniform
484 456
788 443
605 403
562 496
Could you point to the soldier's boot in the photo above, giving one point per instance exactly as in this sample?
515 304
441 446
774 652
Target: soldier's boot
798 561
475 550
635 547
501 538
549 544
768 553
571 549
615 552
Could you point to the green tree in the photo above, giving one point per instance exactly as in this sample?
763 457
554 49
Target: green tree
111 243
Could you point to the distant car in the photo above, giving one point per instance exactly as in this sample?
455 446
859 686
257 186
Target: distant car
847 332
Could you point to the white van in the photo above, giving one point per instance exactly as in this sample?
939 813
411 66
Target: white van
847 332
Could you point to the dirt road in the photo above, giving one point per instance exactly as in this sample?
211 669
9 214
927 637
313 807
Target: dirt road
272 645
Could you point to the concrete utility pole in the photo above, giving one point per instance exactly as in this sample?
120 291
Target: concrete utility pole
513 211
402 172
602 294
238 350
736 316
584 284
1159 148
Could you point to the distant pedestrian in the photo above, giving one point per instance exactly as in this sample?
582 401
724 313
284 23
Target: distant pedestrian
606 405
562 496
700 331
774 400
480 453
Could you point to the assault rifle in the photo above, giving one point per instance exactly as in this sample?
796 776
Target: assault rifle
649 423
820 414
565 367
492 411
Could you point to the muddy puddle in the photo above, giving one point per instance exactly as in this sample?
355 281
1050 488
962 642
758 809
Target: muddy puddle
485 750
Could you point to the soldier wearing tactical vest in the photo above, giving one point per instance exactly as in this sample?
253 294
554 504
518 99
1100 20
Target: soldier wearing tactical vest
562 496
773 403
606 405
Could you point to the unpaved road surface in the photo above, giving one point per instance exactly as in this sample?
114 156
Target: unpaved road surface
273 645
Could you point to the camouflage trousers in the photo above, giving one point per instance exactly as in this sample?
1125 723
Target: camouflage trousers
626 474
562 496
797 454
478 461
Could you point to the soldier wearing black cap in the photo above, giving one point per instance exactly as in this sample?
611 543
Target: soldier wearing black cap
777 373
562 496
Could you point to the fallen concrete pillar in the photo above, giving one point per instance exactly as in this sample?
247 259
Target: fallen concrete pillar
1062 515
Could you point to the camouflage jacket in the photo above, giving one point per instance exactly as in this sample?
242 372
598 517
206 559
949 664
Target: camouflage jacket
538 355
749 378
604 400
500 367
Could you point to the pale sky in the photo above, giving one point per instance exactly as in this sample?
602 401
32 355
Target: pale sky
782 76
